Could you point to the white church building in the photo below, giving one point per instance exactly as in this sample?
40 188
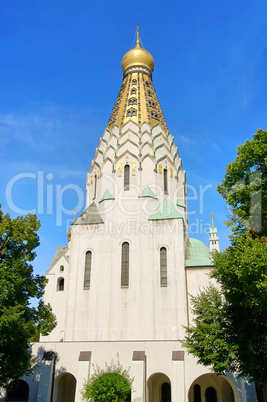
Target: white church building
122 284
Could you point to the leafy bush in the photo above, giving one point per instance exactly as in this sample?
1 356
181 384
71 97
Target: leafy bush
111 384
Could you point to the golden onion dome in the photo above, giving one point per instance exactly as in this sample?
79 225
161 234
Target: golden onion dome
137 57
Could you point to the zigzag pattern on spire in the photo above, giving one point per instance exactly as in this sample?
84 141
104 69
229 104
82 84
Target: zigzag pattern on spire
140 142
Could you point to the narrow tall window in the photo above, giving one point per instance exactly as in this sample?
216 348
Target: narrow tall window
87 270
60 284
166 392
125 264
197 393
126 177
211 395
95 177
163 266
165 176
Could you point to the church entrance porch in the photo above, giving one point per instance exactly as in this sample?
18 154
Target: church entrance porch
65 387
159 388
212 388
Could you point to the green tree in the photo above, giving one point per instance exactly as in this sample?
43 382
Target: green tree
244 187
19 320
229 329
112 384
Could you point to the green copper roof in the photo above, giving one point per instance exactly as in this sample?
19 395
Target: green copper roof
198 254
166 210
147 192
106 196
180 203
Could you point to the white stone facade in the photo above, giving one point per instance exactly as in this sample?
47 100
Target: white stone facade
132 303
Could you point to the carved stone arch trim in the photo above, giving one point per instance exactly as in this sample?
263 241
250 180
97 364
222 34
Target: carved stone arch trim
176 160
148 133
96 165
163 136
108 159
129 122
165 151
168 133
163 245
125 240
154 137
125 153
128 141
148 156
103 140
136 134
157 125
162 158
108 148
97 152
147 143
163 144
178 168
114 135
104 135
88 249
145 123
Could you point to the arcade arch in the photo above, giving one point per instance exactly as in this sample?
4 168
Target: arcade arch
65 388
159 388
212 388
17 391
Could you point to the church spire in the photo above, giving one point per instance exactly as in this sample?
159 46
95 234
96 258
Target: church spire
214 239
137 99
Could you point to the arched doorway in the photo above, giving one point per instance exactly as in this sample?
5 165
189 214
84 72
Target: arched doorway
65 388
212 388
159 388
17 391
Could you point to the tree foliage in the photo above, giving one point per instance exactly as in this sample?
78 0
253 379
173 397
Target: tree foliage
244 187
19 320
229 328
111 384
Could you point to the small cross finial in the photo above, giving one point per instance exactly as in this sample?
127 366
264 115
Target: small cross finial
137 35
212 223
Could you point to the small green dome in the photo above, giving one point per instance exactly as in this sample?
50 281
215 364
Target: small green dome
198 254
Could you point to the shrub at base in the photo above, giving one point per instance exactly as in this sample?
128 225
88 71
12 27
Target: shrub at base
112 384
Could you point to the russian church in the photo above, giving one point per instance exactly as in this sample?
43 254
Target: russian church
121 286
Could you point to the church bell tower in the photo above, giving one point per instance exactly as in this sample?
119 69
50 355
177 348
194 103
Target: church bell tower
126 275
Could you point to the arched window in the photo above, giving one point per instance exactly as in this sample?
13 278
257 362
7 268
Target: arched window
61 268
211 395
166 392
60 284
126 177
197 393
87 270
125 264
165 177
163 266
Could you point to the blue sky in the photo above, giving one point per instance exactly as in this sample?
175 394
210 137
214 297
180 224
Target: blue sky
59 78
